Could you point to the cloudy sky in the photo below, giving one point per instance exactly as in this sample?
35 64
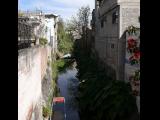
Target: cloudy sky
64 8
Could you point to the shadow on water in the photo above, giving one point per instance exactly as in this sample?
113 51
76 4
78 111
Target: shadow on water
68 85
72 92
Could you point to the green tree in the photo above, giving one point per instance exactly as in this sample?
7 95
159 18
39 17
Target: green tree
65 39
80 21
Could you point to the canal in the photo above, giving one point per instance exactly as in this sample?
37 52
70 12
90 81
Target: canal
68 88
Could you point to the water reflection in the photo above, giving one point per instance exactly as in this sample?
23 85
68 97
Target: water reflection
68 84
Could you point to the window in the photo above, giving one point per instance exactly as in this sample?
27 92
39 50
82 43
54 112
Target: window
102 23
115 17
104 19
112 46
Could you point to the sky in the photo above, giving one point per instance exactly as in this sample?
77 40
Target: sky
64 8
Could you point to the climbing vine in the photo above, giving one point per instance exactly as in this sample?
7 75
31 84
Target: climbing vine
133 48
132 30
135 82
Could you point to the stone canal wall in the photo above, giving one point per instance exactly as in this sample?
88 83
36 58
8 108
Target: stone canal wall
32 66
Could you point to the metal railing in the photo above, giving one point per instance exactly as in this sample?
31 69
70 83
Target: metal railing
25 33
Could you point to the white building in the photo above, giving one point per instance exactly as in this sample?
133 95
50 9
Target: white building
51 30
47 27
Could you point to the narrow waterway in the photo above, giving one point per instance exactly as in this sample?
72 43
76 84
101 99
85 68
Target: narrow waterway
68 84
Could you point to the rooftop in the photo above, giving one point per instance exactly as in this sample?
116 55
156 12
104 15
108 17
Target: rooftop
50 16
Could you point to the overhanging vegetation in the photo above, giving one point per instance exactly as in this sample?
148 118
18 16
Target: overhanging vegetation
101 97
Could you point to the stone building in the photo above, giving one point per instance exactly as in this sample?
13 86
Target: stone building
110 20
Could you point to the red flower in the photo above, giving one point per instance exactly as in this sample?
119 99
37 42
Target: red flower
134 59
131 43
137 55
131 58
131 40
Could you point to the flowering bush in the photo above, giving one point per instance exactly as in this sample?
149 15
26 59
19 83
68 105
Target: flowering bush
135 82
136 76
133 48
135 58
132 45
135 93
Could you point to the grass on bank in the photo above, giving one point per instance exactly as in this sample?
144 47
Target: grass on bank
60 66
43 41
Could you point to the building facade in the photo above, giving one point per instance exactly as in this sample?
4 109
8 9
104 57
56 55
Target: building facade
111 19
51 30
35 25
30 29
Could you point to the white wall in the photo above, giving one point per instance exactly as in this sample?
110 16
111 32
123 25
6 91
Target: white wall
32 64
29 81
50 28
129 13
128 1
51 31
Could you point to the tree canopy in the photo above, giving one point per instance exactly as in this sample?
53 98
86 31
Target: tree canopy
65 39
79 21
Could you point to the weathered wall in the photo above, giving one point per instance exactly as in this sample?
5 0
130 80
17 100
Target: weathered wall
108 42
44 58
106 5
129 13
126 1
32 65
100 46
106 39
121 57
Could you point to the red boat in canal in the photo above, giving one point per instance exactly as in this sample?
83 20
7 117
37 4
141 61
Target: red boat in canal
59 108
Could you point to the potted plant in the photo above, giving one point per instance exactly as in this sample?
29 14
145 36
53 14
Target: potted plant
46 112
131 30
